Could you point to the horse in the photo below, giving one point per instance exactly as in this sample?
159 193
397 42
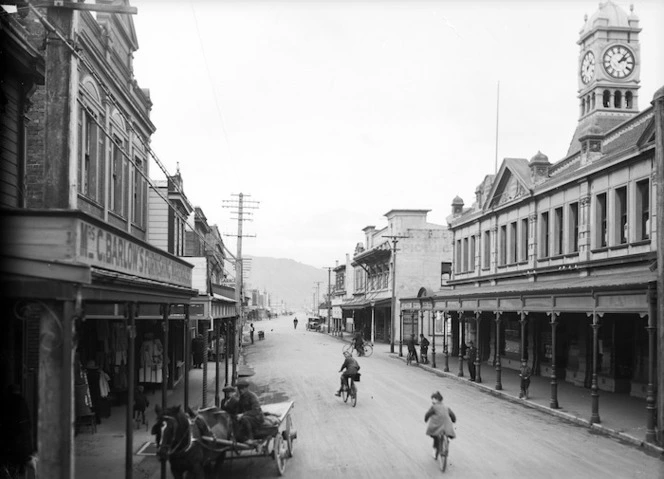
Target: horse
179 440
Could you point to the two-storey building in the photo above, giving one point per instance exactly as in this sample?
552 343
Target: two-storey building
393 261
555 263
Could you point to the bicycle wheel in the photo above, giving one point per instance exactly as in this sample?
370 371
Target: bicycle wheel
344 394
443 451
368 349
353 393
347 347
409 359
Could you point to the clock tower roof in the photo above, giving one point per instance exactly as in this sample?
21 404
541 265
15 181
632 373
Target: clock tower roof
609 15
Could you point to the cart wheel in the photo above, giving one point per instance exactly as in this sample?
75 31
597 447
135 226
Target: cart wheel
280 454
289 437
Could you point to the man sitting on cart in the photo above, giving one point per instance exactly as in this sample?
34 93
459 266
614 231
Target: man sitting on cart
250 415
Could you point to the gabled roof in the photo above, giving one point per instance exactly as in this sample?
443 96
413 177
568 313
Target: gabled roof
511 170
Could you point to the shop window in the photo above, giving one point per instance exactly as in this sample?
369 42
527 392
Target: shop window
513 243
643 209
573 228
486 257
502 258
600 221
558 231
621 232
523 242
544 234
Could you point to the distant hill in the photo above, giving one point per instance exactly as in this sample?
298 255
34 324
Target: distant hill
287 280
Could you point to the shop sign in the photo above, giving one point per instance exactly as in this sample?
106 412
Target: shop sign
101 248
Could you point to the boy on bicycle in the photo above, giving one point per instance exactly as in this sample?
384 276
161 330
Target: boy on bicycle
358 341
440 419
351 369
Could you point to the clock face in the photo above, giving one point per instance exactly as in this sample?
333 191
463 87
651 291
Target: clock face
588 67
618 61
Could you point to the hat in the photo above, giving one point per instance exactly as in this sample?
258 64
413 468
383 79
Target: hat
437 396
228 389
242 383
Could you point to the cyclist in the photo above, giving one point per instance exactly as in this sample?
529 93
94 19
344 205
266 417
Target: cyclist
411 348
358 341
439 419
351 369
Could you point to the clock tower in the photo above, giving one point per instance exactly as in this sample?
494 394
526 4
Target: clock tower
608 72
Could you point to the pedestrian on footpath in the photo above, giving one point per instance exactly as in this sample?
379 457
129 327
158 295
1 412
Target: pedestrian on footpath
424 349
472 355
411 348
251 332
295 323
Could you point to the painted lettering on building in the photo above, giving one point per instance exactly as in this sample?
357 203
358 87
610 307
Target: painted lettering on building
99 247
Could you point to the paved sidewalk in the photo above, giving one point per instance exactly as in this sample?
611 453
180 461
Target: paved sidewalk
622 416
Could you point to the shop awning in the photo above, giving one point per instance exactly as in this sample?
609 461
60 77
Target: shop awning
602 293
361 302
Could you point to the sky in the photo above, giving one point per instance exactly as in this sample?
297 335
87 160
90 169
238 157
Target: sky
329 114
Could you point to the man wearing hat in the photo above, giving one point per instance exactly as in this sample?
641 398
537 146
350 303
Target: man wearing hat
230 401
250 413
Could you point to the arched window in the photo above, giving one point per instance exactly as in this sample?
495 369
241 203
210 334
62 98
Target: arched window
583 106
628 100
592 101
606 99
617 99
91 142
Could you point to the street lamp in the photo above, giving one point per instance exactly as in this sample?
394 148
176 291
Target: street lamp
395 239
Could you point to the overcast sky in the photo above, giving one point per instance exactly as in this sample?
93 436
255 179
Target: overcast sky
330 114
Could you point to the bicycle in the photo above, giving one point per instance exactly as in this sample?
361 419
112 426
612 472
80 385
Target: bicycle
443 451
410 357
367 349
350 392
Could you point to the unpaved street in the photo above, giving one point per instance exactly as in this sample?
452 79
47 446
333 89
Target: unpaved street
383 436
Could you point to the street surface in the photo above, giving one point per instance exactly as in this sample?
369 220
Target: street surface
383 436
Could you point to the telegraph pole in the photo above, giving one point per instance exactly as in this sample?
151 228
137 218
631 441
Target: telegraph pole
395 239
240 205
329 298
316 306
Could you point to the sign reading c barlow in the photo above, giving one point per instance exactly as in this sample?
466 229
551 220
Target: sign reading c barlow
100 247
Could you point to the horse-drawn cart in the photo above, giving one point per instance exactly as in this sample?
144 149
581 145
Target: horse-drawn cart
198 443
274 439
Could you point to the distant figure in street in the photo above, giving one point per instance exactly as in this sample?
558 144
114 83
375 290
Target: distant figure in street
439 419
251 332
411 348
197 350
424 349
358 339
140 405
295 323
472 355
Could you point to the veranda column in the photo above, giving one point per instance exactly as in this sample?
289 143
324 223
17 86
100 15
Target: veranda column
445 344
164 371
477 359
499 384
131 361
651 407
217 332
373 323
206 338
401 333
433 337
594 389
554 381
187 354
461 343
422 360
524 363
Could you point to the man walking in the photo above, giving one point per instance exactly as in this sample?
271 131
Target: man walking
472 355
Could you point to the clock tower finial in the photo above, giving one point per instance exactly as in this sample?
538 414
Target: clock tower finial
609 71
